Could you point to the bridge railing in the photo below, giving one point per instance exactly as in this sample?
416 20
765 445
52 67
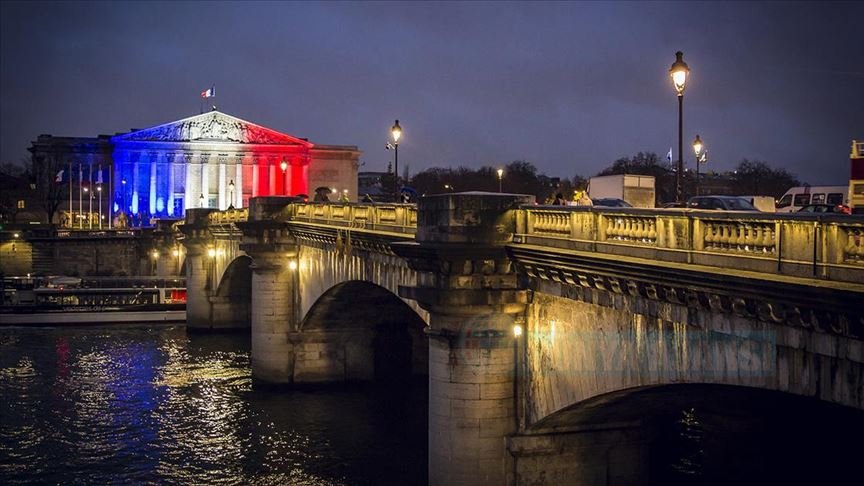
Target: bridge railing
829 247
392 218
229 216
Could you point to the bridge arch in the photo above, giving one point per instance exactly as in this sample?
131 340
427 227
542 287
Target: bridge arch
360 331
232 299
360 311
693 433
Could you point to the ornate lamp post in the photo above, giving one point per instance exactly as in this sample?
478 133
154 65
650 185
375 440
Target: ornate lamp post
201 200
697 149
284 166
679 72
396 131
99 190
231 193
500 179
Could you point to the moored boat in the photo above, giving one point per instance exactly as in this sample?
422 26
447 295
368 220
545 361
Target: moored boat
57 301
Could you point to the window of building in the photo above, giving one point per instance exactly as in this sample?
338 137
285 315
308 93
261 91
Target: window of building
20 204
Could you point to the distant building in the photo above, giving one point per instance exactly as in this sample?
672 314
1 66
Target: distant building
211 160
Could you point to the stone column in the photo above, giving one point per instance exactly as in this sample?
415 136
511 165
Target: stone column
189 196
256 177
205 179
198 269
275 296
238 184
154 163
467 284
223 186
172 184
272 177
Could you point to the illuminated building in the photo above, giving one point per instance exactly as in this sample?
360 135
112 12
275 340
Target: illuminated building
209 160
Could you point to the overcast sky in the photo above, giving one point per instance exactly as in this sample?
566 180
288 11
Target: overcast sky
569 87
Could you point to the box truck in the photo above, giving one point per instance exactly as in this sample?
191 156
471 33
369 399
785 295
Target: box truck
638 190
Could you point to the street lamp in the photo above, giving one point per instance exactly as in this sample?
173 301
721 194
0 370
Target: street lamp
201 200
396 131
284 166
231 193
697 149
679 72
449 187
99 189
500 179
90 208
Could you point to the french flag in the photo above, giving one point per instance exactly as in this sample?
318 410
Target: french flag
209 93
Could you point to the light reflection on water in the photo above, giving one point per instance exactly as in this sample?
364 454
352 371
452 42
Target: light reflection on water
156 405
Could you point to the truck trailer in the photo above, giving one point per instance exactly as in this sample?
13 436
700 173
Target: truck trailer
638 190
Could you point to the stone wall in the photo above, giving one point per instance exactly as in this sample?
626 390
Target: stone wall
16 257
579 349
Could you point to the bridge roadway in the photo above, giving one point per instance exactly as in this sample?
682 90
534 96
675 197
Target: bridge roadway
615 306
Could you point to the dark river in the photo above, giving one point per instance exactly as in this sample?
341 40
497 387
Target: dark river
155 405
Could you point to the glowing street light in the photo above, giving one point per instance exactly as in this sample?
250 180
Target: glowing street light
698 149
396 132
679 72
99 190
500 179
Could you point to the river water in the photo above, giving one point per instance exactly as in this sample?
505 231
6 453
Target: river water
155 405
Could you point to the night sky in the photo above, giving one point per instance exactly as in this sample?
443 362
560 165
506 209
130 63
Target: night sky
569 87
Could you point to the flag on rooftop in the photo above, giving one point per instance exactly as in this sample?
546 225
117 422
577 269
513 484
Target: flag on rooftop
210 93
669 155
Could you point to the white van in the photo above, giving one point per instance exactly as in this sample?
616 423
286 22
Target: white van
798 197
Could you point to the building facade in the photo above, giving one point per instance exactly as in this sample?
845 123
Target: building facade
211 160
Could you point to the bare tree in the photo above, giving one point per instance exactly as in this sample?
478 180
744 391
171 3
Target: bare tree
46 168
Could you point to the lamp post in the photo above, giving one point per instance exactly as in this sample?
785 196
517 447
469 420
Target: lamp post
500 180
231 194
284 166
396 131
123 184
697 149
448 187
201 200
90 208
679 72
99 190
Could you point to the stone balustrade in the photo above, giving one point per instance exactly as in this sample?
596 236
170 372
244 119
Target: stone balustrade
392 218
829 247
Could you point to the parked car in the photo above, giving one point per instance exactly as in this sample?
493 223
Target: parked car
611 202
672 205
723 203
826 208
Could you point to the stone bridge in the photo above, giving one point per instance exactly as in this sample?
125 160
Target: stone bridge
547 333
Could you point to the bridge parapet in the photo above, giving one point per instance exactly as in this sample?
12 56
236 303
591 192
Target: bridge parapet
826 247
392 218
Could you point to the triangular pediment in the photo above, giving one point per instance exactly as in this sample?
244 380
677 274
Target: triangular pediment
213 126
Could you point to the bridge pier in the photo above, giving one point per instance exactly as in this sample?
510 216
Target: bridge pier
196 239
274 316
466 283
